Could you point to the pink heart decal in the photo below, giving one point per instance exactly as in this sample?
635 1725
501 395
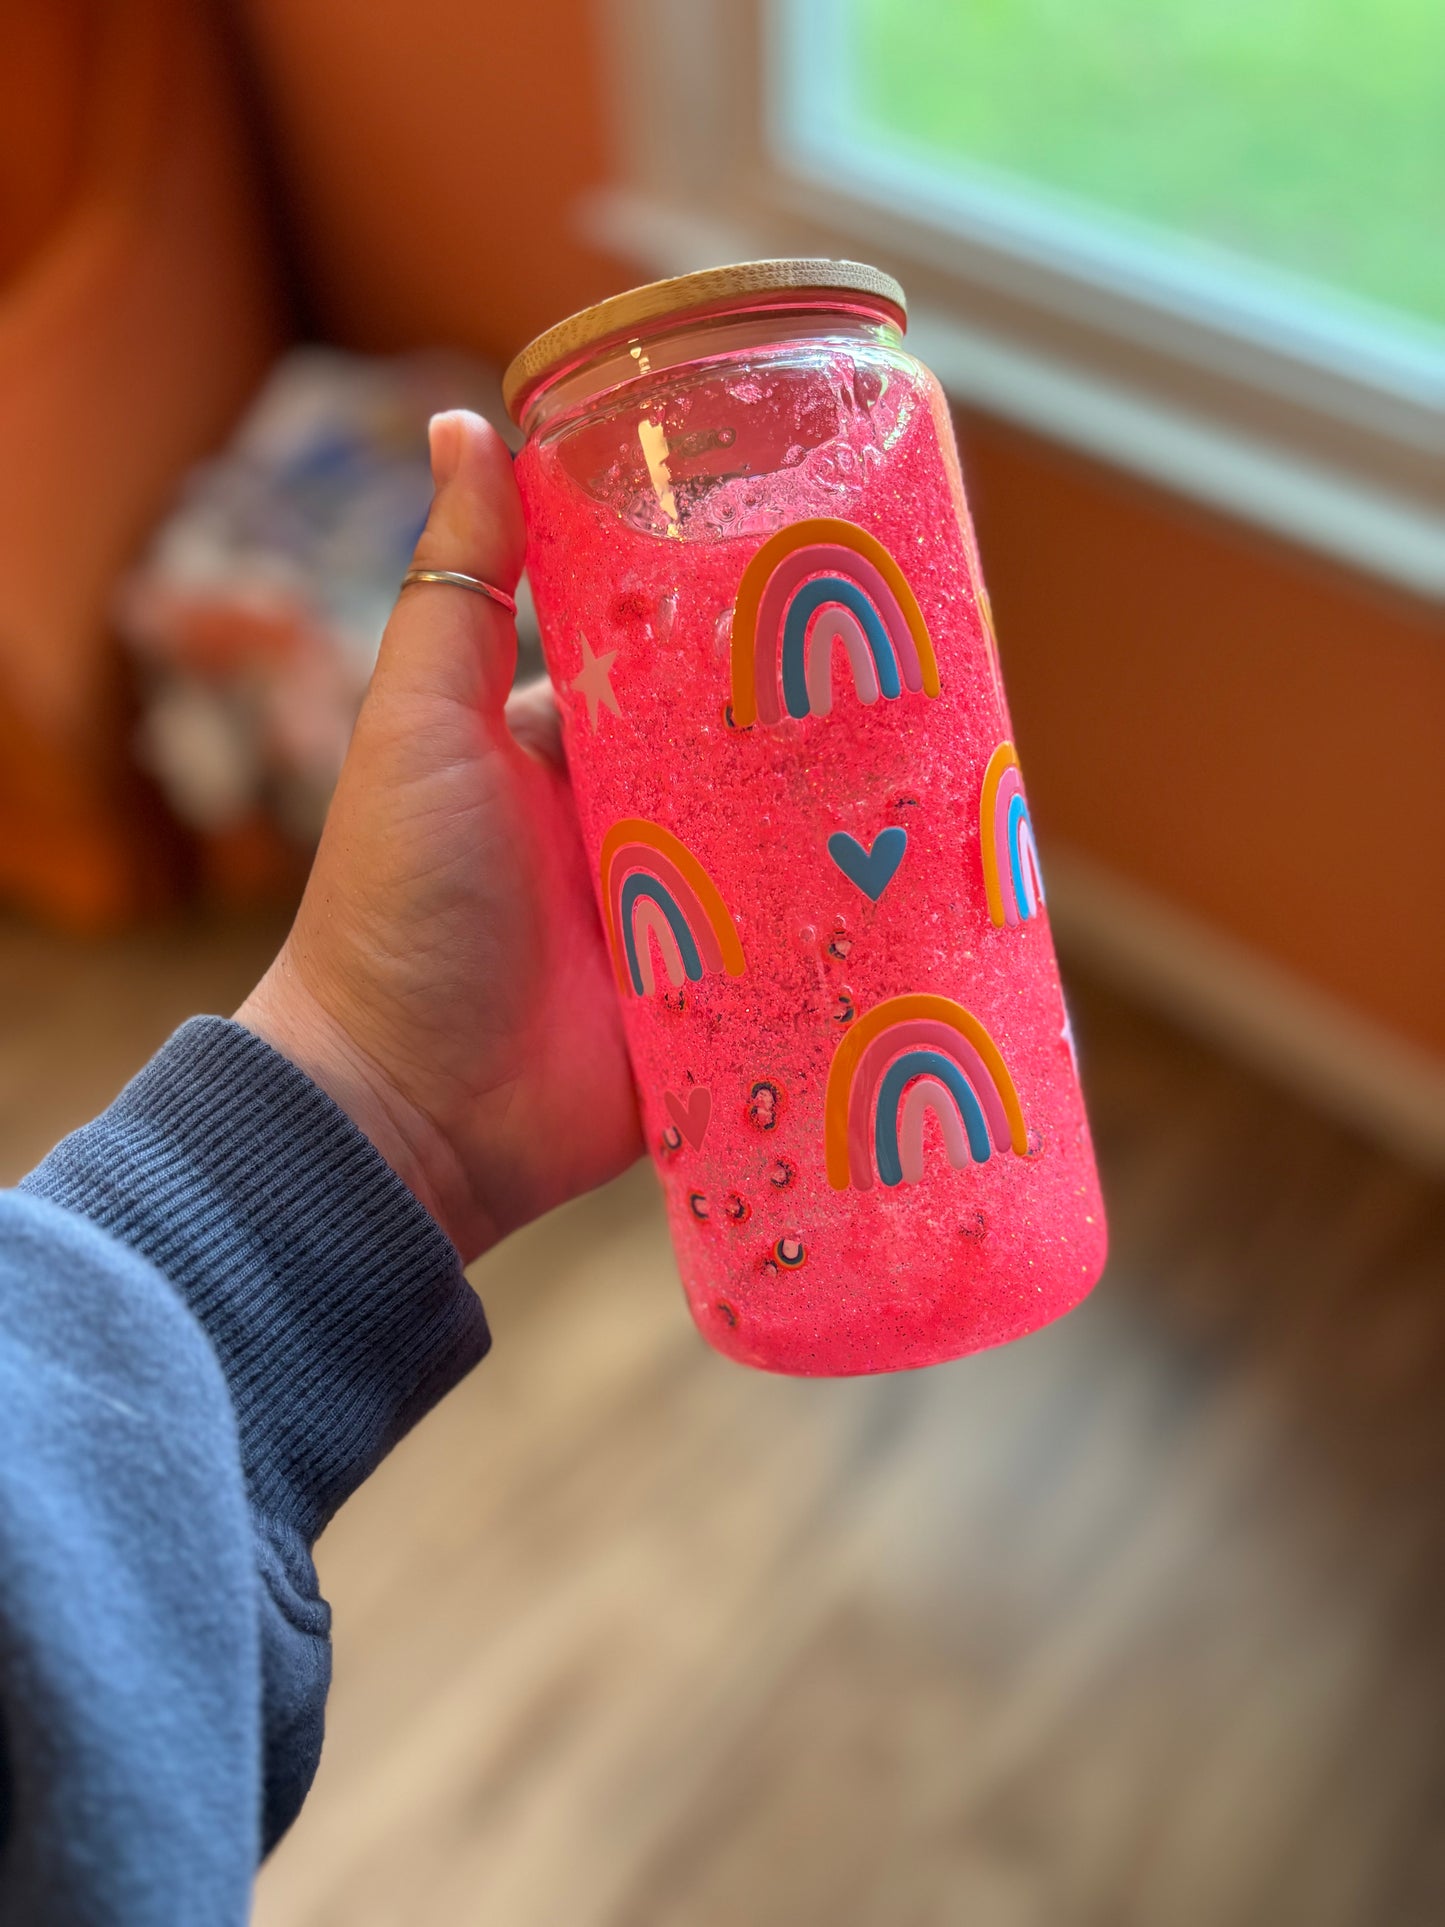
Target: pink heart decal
692 1117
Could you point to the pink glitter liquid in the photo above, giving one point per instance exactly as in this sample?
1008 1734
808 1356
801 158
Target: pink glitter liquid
645 508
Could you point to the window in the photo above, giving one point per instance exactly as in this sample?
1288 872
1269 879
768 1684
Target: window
1197 238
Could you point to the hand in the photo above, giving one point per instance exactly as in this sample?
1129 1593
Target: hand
446 980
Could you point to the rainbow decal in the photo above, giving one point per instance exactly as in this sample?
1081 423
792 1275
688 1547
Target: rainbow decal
1011 876
653 887
908 1056
816 583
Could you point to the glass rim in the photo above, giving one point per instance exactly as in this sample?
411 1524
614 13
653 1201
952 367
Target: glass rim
744 287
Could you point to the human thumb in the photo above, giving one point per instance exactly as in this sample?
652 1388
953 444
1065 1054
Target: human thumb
444 640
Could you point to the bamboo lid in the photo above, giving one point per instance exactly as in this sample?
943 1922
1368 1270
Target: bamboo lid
746 284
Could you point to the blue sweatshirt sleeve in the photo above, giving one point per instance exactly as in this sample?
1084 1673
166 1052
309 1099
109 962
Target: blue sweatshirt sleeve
219 1309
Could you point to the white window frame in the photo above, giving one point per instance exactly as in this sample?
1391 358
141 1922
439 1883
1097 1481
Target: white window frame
1314 417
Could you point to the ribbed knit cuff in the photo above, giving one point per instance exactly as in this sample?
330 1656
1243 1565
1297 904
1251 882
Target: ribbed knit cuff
334 1301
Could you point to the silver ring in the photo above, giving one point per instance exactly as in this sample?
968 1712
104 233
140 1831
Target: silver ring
460 581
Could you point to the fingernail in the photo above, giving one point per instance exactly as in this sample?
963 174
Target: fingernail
444 435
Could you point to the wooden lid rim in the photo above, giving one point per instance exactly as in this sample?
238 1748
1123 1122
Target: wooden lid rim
743 282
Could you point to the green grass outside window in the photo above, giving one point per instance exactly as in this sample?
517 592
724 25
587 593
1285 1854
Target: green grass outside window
1309 134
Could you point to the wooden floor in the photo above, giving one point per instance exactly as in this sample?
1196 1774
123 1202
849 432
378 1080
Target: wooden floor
1140 1623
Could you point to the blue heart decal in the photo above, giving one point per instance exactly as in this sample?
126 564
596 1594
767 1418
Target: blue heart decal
872 870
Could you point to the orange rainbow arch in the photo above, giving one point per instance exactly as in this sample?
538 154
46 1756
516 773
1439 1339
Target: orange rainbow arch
681 887
1011 879
918 1015
871 608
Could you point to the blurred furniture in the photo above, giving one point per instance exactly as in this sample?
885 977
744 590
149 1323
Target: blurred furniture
138 306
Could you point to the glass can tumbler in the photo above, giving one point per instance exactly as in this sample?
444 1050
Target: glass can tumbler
761 606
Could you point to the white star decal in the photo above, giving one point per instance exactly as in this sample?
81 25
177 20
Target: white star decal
595 682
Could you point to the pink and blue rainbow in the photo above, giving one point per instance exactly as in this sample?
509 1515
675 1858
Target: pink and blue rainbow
906 1058
1011 879
814 584
654 891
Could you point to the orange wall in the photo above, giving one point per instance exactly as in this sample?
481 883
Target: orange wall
1228 721
1197 707
431 153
